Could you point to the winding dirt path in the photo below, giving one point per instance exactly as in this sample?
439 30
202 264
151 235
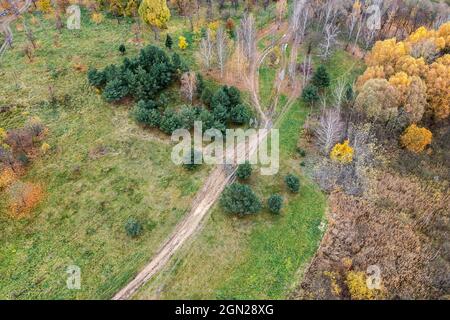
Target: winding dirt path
209 193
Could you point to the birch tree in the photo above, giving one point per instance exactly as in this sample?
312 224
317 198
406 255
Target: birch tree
330 129
188 85
331 32
247 37
222 48
207 49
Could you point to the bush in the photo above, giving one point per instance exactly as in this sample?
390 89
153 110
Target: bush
240 114
292 182
150 117
342 153
416 139
275 202
122 49
240 199
133 227
115 90
96 78
170 122
244 171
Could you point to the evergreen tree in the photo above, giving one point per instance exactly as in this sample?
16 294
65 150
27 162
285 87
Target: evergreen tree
240 199
321 78
244 171
310 94
169 42
292 182
275 202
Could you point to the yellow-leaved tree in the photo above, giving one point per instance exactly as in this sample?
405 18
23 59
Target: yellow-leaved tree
416 139
342 153
386 54
155 13
182 43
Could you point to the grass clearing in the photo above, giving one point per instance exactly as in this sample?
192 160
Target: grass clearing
88 197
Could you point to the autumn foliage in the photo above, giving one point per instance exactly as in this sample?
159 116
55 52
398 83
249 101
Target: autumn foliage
23 197
415 138
423 55
342 152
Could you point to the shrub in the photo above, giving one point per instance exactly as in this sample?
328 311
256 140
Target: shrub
23 197
356 283
182 43
342 152
240 114
96 78
240 199
122 49
133 227
292 182
170 122
275 202
415 139
244 171
115 90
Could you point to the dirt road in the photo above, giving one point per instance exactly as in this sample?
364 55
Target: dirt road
5 25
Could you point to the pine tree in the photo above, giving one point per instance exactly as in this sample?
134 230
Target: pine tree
321 78
169 42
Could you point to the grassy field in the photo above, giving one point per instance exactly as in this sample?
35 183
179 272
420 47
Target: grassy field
261 256
88 194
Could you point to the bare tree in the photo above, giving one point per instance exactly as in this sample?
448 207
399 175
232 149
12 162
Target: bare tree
222 48
206 49
339 92
247 37
330 129
330 37
188 85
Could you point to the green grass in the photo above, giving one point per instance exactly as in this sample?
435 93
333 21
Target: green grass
87 199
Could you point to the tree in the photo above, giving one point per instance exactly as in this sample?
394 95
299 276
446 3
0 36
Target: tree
240 199
222 49
321 78
169 42
275 202
342 153
292 182
329 130
378 100
416 100
182 43
170 122
206 49
247 38
155 13
329 41
244 171
115 90
281 8
416 139
189 161
240 114
96 78
133 227
438 93
122 49
386 54
188 85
